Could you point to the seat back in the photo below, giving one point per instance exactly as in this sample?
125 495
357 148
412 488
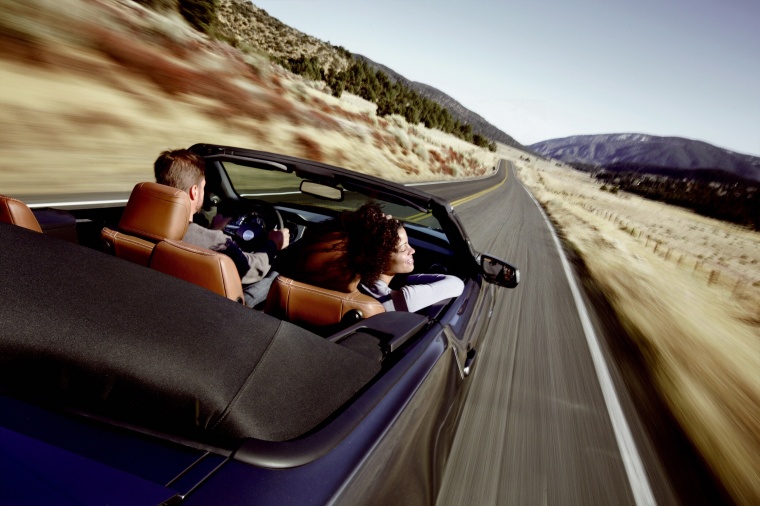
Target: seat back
16 212
153 213
203 267
313 306
322 288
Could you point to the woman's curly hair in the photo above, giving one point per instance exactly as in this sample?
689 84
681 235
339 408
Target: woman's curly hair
372 240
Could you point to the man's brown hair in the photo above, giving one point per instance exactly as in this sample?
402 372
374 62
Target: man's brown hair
179 168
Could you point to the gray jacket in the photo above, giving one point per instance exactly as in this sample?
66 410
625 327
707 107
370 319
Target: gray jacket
252 267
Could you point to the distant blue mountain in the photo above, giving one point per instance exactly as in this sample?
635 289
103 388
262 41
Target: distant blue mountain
626 150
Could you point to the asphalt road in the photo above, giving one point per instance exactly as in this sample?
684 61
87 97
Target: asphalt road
544 423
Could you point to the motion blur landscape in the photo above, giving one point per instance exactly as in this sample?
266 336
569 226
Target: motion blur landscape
93 90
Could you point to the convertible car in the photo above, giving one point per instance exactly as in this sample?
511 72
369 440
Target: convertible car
132 373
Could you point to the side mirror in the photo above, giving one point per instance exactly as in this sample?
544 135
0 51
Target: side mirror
499 272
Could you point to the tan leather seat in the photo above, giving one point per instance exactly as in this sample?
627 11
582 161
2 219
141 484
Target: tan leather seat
15 212
203 267
325 288
302 303
153 213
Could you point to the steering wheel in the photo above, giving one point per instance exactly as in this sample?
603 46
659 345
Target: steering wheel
251 229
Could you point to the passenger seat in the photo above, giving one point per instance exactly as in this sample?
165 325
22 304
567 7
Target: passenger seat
322 292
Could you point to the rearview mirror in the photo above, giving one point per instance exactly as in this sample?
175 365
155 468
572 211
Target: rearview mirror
321 190
499 272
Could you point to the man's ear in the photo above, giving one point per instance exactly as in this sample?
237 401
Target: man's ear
193 192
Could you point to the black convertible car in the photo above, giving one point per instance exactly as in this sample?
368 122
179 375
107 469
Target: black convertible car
131 373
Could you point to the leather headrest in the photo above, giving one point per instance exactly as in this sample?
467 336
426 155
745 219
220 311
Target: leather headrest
324 263
16 212
155 212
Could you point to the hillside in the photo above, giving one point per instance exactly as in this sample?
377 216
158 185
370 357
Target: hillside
458 111
93 90
630 150
251 28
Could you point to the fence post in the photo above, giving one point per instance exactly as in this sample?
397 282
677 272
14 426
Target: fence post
737 287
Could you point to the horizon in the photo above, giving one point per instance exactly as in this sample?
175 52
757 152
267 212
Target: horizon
679 70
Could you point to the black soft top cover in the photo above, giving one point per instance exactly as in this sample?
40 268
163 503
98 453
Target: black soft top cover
88 331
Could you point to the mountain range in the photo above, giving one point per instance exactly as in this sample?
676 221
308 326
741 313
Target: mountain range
648 153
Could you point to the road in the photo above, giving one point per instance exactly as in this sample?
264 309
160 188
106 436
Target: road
546 422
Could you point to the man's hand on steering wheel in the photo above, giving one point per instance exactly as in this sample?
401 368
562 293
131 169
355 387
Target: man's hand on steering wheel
259 222
281 238
219 222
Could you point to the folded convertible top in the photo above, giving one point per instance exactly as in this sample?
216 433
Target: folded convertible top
85 330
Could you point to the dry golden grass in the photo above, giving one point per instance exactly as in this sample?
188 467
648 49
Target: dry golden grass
687 288
91 113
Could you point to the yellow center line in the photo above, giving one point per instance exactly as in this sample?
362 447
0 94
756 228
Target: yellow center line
479 194
419 216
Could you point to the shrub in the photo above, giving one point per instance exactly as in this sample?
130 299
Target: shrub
159 5
201 14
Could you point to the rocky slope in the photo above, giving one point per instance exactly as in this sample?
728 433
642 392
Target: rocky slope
251 28
459 112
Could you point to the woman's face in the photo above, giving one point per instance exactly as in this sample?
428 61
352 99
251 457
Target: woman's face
402 260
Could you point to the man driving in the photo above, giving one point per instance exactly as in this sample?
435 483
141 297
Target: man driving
186 171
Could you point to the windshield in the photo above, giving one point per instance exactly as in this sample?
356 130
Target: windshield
283 188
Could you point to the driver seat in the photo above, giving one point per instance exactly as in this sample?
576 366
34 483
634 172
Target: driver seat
208 269
323 291
153 213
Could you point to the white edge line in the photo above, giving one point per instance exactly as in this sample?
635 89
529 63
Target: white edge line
642 492
124 201
81 203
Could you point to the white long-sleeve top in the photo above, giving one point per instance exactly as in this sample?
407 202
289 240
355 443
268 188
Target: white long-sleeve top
421 291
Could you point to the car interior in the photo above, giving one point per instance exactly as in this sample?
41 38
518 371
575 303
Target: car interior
314 288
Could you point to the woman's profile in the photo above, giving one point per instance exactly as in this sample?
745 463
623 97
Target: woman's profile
378 249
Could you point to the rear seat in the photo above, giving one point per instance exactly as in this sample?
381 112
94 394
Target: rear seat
15 212
57 223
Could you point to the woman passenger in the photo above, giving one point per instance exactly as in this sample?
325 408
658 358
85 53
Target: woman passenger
379 249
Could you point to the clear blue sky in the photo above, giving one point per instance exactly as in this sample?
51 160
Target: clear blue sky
543 69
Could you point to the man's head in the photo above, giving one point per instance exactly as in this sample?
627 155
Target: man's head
183 170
